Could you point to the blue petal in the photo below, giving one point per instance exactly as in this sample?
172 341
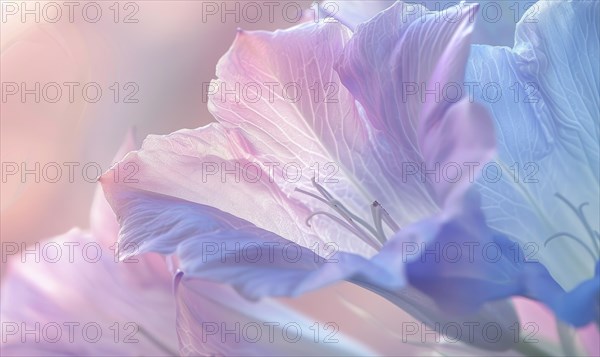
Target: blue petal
463 268
217 246
466 266
548 134
579 306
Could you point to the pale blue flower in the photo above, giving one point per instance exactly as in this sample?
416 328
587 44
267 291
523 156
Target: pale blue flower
546 109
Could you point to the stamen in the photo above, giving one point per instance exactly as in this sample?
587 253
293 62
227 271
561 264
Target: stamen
388 219
578 211
358 232
373 236
376 213
351 217
568 235
344 212
322 190
311 195
580 214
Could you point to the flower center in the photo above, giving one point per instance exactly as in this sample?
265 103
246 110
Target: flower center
372 234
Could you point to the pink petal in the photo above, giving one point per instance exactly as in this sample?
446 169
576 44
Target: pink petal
194 165
320 126
103 222
84 291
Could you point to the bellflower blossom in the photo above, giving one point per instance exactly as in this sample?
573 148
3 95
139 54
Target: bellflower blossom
347 118
548 129
220 199
459 287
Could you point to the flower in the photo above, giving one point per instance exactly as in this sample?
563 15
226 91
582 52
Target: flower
219 197
548 133
476 275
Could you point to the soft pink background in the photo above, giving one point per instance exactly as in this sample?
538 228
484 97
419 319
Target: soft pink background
169 53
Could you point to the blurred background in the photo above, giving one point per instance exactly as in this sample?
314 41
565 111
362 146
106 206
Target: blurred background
149 59
76 78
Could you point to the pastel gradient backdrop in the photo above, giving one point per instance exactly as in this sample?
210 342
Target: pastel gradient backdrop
171 53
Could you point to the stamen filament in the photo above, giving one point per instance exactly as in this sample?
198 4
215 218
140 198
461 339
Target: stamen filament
354 229
373 236
578 211
322 190
311 195
376 213
344 212
568 235
389 220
